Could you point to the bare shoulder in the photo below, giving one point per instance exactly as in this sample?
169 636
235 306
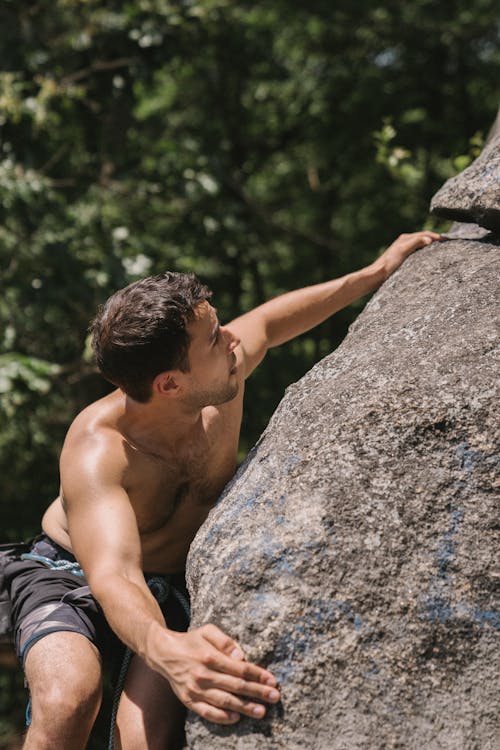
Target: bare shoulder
93 452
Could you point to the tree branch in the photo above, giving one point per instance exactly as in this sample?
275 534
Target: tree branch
99 66
265 216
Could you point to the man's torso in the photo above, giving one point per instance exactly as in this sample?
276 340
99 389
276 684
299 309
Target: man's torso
171 494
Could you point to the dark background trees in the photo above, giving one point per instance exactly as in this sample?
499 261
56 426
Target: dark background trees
262 145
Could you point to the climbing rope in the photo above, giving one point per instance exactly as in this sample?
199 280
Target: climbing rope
72 567
160 587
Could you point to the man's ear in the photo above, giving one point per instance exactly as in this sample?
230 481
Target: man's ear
166 384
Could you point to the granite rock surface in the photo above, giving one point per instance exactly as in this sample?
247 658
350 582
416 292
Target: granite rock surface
355 553
474 194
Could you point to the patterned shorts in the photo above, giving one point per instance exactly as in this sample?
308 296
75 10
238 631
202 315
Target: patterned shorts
46 599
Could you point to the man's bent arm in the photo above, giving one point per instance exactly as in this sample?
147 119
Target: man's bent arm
289 315
205 667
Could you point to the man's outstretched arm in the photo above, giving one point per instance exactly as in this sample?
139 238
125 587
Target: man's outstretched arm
285 317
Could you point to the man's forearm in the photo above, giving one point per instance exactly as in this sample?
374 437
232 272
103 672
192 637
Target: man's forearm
289 315
132 613
296 312
206 668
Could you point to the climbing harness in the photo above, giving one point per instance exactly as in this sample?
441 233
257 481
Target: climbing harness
160 587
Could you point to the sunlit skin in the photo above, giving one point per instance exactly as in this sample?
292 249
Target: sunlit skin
138 480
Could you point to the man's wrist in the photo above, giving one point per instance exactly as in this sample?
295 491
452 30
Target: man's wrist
371 277
149 646
158 640
379 271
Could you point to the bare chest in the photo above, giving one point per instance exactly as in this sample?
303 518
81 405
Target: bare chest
172 499
165 494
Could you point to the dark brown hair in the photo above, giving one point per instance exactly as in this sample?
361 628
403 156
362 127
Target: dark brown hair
140 330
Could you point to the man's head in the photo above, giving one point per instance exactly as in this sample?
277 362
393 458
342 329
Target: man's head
141 330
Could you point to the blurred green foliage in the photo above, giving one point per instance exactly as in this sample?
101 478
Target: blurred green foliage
264 146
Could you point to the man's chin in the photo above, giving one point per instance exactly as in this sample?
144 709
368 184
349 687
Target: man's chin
217 398
230 393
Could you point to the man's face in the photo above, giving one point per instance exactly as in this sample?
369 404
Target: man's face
212 377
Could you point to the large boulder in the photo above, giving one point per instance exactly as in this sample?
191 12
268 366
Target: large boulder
353 554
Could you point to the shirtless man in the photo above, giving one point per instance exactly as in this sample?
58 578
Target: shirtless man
140 470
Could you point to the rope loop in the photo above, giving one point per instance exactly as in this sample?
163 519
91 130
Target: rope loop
72 567
160 588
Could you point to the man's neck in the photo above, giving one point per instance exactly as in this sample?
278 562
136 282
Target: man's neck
159 427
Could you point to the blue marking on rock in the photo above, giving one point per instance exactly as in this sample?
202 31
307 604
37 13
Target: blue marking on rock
358 622
372 672
487 617
446 549
314 626
290 462
468 457
438 605
438 609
